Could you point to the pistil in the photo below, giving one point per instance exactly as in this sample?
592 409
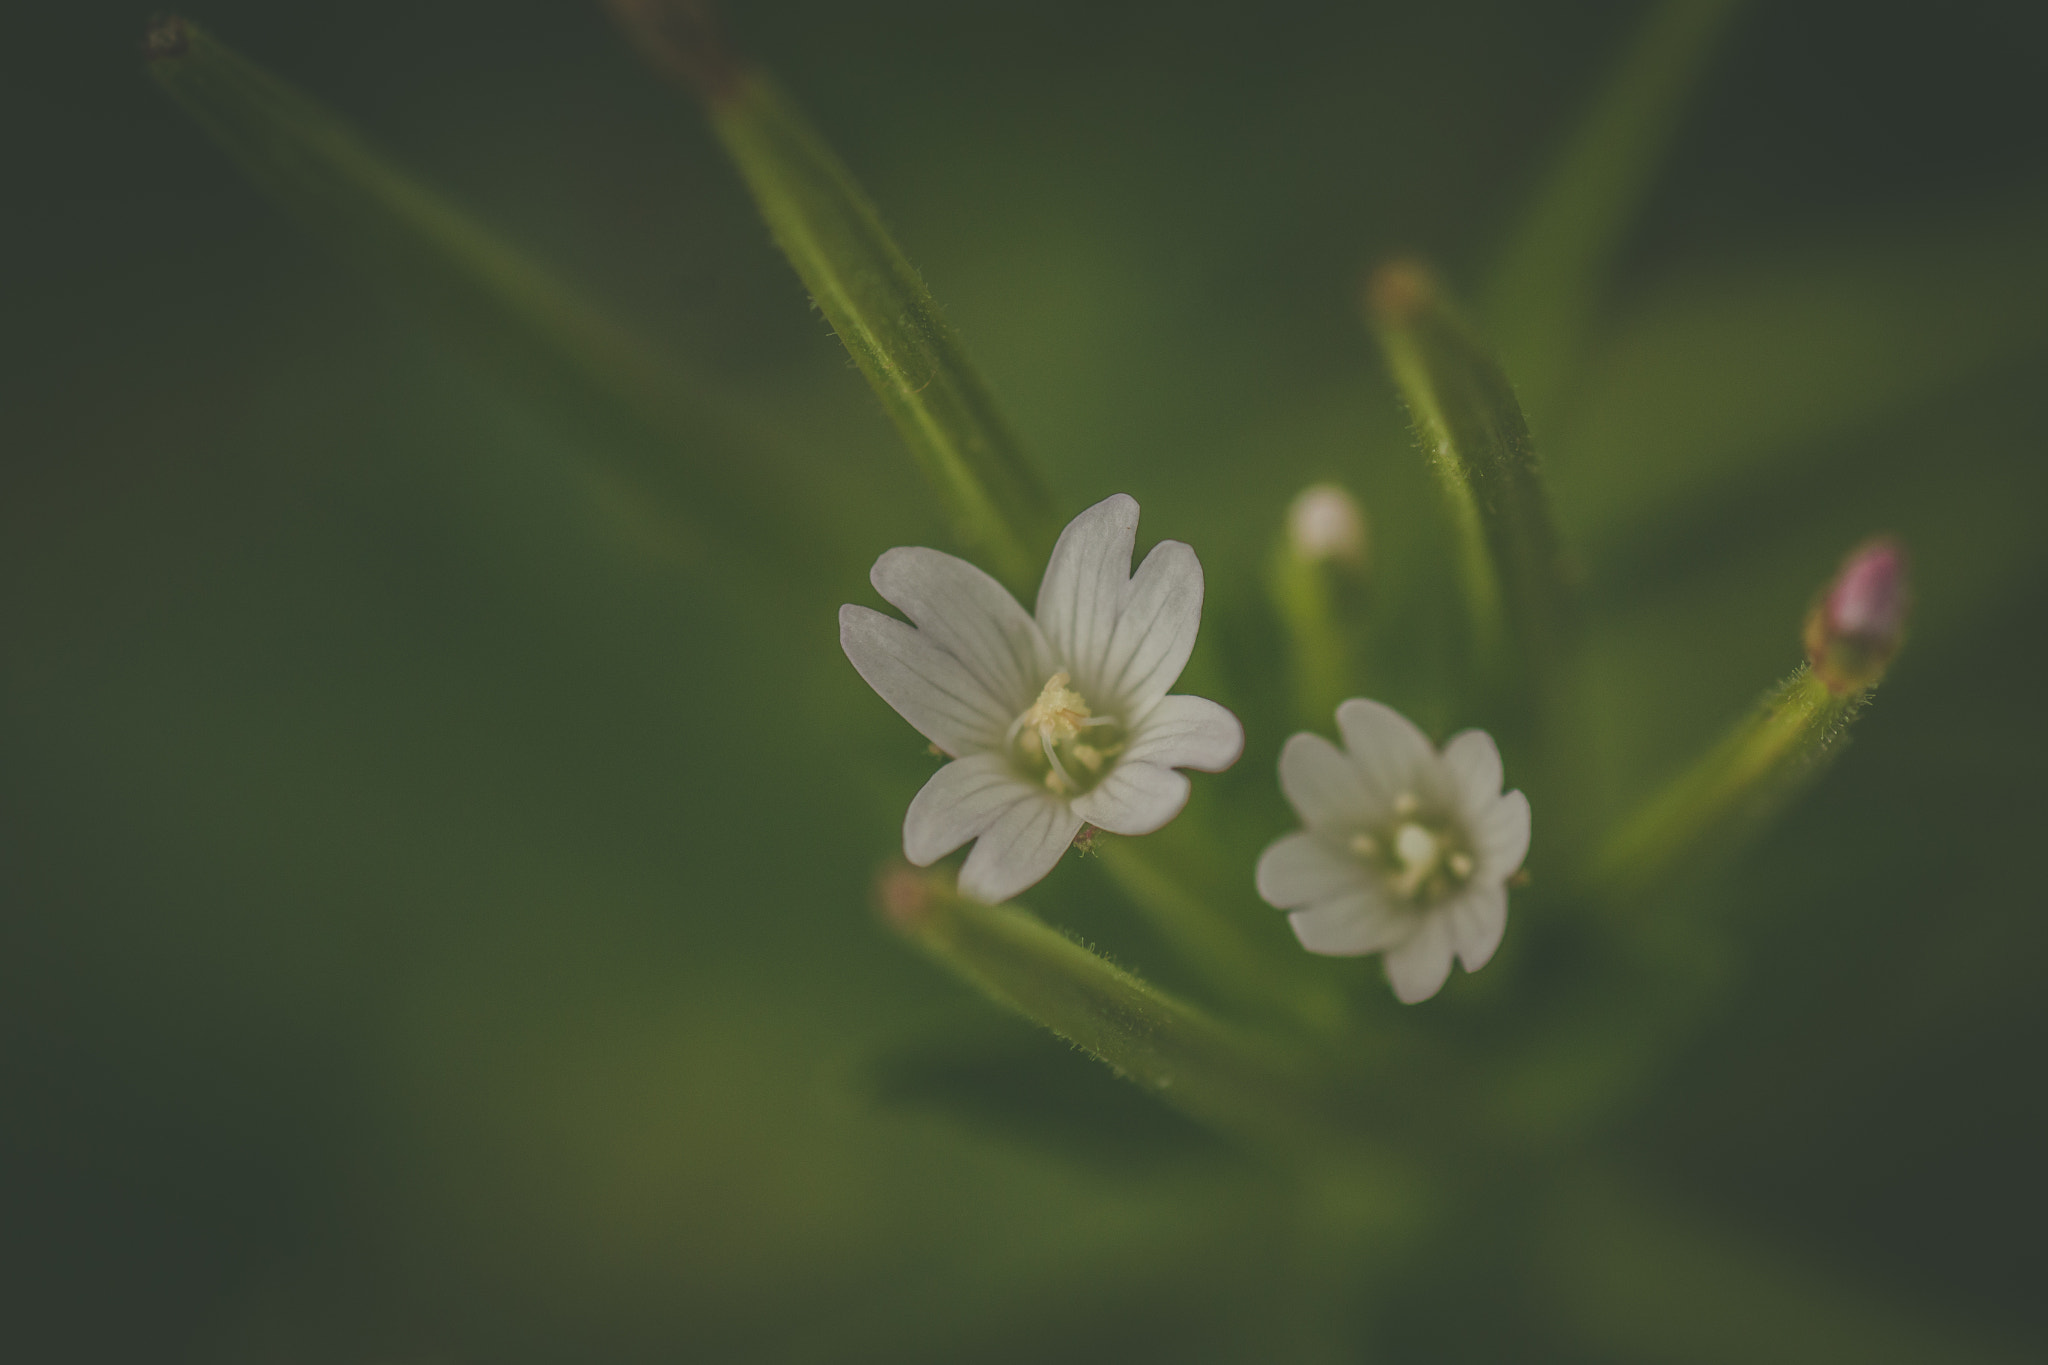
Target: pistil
1058 717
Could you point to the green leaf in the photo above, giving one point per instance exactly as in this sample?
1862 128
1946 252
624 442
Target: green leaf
504 308
872 296
1548 284
1477 441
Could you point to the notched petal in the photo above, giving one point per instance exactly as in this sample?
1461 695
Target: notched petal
1023 844
1325 788
1084 584
1136 798
1187 732
959 803
1502 835
1418 968
1155 629
1478 920
1474 762
969 615
928 686
1301 869
1392 755
1349 927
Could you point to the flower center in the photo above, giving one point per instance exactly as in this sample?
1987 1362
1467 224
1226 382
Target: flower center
1059 740
1422 858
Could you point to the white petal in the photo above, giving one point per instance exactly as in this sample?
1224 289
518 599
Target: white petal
1501 832
1084 585
1418 968
1024 844
1478 919
1187 732
1474 761
927 686
1393 755
971 616
1155 629
1136 798
1301 869
1349 926
1325 787
959 803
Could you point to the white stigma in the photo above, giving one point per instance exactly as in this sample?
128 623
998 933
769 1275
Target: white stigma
1060 714
1421 861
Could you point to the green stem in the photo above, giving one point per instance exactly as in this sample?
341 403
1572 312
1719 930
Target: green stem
1221 948
1319 645
1474 434
1204 1068
1793 733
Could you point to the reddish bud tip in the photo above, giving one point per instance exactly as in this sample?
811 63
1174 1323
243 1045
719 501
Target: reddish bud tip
1857 625
1399 290
168 36
904 897
683 38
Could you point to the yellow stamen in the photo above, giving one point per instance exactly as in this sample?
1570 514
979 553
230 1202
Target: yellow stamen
1059 712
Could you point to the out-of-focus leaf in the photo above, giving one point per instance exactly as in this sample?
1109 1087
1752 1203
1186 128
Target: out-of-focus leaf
546 340
1548 283
1638 1281
1474 435
1032 1090
1742 373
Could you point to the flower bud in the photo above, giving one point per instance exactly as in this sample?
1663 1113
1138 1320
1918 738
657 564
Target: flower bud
904 896
1858 622
1325 525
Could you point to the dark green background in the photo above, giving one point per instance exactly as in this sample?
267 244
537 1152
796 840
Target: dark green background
432 904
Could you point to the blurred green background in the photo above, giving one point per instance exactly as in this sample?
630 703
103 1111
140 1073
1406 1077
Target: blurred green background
433 898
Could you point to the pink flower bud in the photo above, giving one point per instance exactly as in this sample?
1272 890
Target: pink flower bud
1856 627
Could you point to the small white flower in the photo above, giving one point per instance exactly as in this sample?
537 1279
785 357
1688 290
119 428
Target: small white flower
1407 851
1051 723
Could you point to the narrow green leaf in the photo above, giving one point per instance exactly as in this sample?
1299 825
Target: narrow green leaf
868 291
512 313
1195 1063
1474 434
1547 287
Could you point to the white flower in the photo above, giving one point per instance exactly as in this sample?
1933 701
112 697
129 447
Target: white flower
1407 851
1051 723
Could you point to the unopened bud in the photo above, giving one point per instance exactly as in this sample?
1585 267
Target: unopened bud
1398 291
904 897
1859 621
1325 525
168 36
